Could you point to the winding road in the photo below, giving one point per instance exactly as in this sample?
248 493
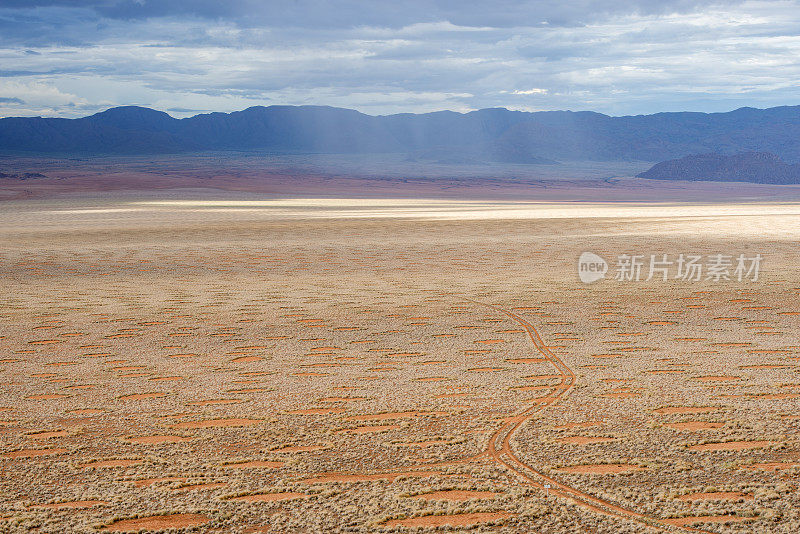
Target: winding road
499 446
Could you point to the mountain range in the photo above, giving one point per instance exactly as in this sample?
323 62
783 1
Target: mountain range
496 134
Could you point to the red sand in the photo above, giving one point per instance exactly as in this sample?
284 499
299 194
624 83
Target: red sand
216 423
456 520
156 440
32 453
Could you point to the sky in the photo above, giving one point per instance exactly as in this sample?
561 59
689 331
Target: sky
71 58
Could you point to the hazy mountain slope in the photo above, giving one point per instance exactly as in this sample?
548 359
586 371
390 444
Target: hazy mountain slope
759 167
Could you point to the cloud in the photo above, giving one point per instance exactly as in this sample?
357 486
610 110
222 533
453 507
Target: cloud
534 91
612 56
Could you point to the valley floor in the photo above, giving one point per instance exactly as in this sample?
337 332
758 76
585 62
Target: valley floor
241 365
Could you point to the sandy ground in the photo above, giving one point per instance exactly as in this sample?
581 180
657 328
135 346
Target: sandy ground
189 361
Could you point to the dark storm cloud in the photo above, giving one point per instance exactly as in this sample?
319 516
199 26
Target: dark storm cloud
353 13
65 56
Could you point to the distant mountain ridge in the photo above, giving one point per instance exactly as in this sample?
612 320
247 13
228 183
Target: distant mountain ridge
758 167
494 134
22 175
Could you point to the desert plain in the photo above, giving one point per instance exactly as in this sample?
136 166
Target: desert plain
235 362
